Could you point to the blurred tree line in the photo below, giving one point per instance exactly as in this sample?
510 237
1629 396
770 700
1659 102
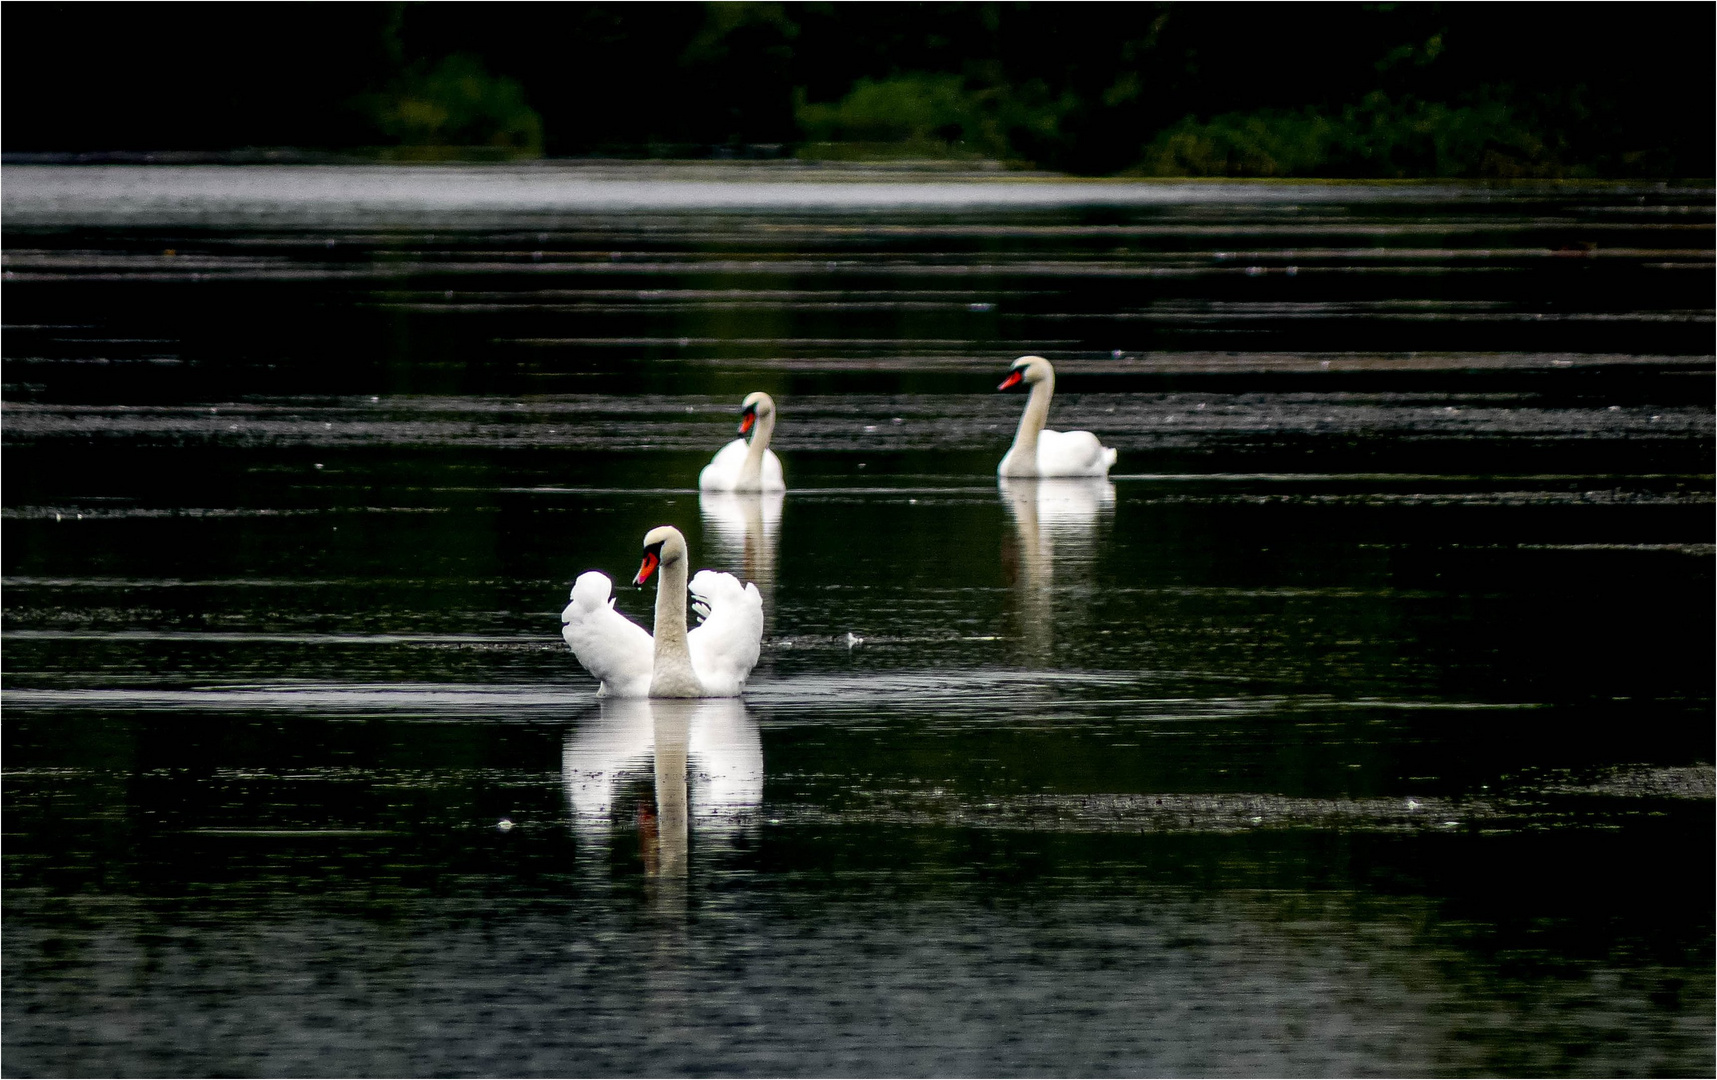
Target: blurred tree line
1373 90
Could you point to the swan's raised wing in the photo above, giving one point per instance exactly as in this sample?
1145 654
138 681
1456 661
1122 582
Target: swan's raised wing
724 648
616 650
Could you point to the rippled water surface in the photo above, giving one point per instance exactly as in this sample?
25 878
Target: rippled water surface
1361 723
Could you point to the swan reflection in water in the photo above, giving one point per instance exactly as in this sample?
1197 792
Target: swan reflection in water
740 530
1057 525
704 760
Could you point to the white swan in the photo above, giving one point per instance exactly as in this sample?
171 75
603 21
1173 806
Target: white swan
1039 452
747 464
712 660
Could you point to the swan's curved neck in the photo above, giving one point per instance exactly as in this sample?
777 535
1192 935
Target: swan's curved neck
751 472
671 673
1032 420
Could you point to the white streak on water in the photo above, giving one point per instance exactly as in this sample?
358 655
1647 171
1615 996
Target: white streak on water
810 699
136 195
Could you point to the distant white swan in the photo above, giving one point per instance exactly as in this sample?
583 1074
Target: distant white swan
712 660
1037 451
747 464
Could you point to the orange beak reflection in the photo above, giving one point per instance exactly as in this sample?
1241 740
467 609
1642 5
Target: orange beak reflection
1014 379
746 420
649 567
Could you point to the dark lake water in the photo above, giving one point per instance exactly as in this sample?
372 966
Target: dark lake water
1361 724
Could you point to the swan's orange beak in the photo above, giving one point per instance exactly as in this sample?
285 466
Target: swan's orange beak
649 567
1015 377
746 419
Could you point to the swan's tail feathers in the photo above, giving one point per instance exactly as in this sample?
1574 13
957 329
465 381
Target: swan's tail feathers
726 646
1109 456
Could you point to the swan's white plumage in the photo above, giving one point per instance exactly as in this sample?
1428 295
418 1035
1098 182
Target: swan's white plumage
621 654
1065 453
723 471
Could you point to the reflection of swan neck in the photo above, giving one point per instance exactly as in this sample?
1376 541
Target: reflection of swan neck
751 471
1037 551
1031 424
742 524
672 673
1021 501
672 820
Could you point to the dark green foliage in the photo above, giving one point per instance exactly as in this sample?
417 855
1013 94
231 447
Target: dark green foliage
935 115
1220 89
1376 138
455 103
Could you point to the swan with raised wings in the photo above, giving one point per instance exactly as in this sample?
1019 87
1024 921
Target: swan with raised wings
747 464
712 660
1038 451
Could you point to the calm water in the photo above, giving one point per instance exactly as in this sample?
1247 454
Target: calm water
1362 724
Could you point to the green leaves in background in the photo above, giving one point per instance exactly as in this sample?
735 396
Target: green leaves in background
1377 138
934 115
455 103
1362 90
